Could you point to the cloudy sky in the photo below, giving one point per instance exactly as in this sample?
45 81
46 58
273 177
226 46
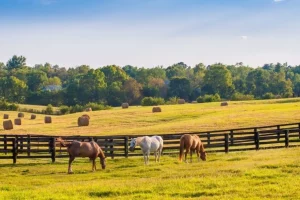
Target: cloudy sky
150 32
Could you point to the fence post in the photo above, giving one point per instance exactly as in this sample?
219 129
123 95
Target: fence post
14 150
126 146
21 144
111 149
231 137
299 129
208 138
5 144
28 144
226 143
256 139
52 149
278 133
286 135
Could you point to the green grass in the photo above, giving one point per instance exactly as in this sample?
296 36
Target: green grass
265 174
172 119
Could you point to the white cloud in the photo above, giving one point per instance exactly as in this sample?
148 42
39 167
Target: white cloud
277 1
244 37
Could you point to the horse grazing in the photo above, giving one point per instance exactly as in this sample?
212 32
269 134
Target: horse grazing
148 144
83 149
191 143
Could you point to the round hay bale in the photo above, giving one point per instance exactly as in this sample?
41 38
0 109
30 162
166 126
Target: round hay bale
18 121
20 114
88 109
33 116
156 109
48 120
194 102
87 116
125 105
5 116
8 125
224 103
181 101
83 121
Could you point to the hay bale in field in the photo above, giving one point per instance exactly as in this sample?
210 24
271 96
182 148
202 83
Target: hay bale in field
18 121
88 109
5 116
224 103
181 101
194 102
8 125
33 116
20 114
83 121
87 116
48 120
156 109
125 105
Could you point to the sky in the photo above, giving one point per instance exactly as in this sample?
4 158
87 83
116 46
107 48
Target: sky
149 33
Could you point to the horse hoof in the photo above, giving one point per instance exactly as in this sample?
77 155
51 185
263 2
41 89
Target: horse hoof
70 172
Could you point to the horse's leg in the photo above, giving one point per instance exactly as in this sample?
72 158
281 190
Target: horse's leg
155 155
198 152
186 153
94 165
148 155
71 159
145 158
191 155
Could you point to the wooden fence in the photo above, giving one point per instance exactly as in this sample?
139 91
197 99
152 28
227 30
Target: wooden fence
40 146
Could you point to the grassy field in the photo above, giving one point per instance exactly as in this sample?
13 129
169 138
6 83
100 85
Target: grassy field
265 174
172 119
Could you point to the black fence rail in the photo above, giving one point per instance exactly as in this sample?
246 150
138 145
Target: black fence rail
42 146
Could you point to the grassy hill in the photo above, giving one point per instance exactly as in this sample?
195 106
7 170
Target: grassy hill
172 119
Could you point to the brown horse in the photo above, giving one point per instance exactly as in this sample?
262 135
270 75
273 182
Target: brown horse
83 149
191 143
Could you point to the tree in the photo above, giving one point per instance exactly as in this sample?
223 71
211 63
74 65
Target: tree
132 90
218 80
179 87
13 89
258 82
176 70
113 74
16 62
36 80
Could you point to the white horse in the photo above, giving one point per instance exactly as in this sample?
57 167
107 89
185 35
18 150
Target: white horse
148 144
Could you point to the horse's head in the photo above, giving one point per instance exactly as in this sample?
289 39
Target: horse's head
103 162
203 155
132 144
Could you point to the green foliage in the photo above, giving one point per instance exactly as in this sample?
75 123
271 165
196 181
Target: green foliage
172 101
209 98
64 110
241 97
152 101
268 95
97 106
8 106
49 109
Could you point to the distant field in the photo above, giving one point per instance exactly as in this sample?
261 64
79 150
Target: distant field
264 174
172 119
35 107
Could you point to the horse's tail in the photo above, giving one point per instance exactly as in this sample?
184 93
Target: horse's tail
181 148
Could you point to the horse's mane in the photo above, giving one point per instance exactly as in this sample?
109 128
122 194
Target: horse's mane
62 142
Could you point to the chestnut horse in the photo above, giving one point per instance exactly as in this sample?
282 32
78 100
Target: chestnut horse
83 149
191 143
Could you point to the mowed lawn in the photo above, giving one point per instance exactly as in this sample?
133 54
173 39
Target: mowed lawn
264 174
172 119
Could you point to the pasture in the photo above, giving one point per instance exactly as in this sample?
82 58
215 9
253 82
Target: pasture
172 119
265 174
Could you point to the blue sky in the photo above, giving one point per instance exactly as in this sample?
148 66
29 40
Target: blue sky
147 33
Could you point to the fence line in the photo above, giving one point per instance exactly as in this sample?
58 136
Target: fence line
43 146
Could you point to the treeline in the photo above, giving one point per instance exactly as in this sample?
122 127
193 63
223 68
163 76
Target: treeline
45 84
